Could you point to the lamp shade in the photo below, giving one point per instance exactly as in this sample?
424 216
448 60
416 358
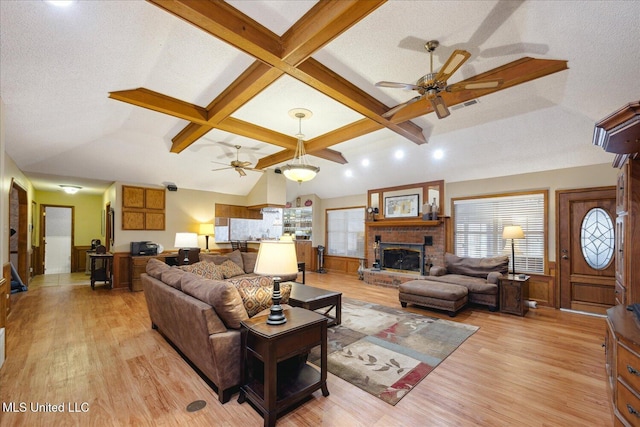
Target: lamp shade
276 258
186 240
512 232
206 229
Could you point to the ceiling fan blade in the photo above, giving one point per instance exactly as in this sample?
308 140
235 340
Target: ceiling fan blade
398 85
244 164
439 107
221 169
241 172
219 163
455 61
398 107
485 84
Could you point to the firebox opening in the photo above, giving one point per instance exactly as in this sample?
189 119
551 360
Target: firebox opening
406 258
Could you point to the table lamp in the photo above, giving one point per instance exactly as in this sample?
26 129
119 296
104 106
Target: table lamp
512 232
186 241
207 230
277 258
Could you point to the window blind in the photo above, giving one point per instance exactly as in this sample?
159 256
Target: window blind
345 232
478 225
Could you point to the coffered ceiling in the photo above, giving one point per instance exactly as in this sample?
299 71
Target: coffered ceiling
156 92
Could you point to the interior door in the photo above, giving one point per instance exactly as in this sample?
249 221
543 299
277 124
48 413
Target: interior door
586 247
57 239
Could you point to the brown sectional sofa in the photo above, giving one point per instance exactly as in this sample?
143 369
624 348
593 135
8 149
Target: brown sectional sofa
478 275
201 316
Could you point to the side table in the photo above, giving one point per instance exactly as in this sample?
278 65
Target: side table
514 293
269 379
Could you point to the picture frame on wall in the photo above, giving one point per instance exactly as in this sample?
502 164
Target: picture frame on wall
405 206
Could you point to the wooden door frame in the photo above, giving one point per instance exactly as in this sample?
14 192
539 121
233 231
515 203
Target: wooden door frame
23 230
559 193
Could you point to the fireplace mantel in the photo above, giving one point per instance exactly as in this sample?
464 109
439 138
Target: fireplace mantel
403 222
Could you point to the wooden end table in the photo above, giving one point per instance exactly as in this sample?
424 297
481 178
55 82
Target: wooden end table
269 379
514 293
315 298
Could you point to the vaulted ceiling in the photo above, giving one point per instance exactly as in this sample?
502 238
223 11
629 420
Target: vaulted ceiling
199 77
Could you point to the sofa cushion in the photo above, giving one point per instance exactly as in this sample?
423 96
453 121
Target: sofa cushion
155 267
230 269
206 269
256 293
475 267
475 285
249 261
221 295
172 277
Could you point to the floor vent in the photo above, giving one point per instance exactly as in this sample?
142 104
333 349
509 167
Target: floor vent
196 405
465 104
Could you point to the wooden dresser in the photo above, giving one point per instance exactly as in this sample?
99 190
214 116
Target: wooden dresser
139 266
623 364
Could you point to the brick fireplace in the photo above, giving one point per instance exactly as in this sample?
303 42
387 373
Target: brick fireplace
428 235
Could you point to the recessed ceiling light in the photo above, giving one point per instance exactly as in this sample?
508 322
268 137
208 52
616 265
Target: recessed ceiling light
61 3
438 154
365 162
348 173
399 154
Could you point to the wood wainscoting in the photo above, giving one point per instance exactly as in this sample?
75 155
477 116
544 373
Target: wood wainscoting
341 264
542 287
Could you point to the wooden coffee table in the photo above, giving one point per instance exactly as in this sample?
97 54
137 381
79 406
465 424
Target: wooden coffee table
315 298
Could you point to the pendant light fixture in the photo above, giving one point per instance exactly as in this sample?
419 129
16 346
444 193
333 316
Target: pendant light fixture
299 169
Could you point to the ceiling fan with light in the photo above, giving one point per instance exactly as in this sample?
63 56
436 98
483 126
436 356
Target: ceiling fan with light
236 164
432 84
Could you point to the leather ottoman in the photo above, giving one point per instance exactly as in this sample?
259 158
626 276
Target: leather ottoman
438 295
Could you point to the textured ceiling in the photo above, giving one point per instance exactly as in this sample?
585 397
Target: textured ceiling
58 65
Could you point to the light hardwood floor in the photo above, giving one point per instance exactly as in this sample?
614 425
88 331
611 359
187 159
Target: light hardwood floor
69 345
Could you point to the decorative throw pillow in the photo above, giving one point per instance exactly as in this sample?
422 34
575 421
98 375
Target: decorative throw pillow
230 269
208 270
257 293
173 277
218 259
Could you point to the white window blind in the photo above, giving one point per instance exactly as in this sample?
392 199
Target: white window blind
345 232
478 225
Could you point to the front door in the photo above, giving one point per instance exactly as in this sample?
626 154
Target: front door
586 224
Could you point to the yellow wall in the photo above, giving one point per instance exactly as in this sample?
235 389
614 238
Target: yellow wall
87 213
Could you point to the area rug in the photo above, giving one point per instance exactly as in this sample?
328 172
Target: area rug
386 351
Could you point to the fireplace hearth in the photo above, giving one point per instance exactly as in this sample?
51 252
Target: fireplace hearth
402 257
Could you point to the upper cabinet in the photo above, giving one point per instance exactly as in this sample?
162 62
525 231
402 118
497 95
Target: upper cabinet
298 222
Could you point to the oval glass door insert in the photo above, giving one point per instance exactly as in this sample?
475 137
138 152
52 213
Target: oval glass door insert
597 238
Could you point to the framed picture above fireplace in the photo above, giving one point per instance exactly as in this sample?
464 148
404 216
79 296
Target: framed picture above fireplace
401 206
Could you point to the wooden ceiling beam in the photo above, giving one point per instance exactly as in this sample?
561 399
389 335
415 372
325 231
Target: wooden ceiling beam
228 24
251 82
162 103
325 21
285 155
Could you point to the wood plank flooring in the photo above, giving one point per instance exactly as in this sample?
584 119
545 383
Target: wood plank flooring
95 352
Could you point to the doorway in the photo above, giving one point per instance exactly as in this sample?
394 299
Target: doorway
19 230
585 246
57 233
